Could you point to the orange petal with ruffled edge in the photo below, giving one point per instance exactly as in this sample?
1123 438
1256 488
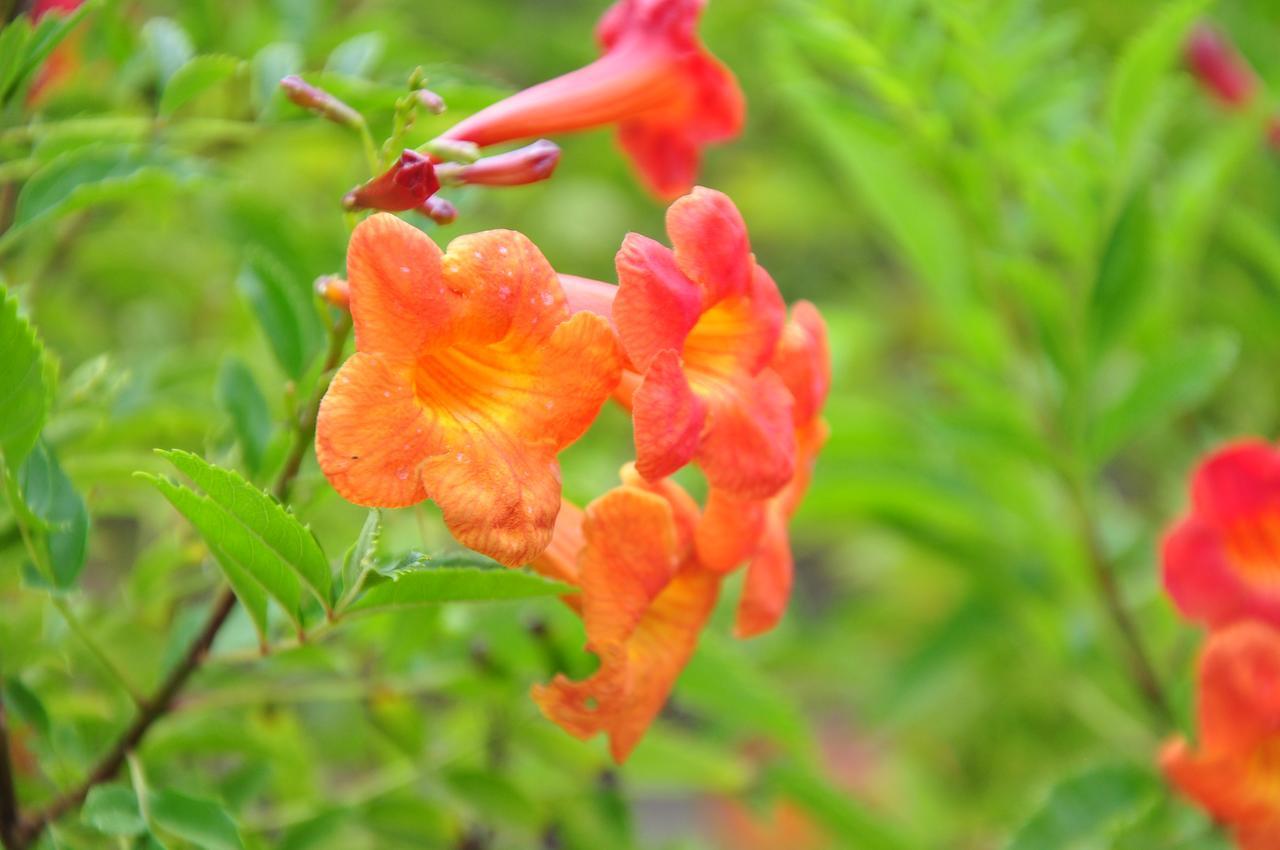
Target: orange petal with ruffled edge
730 530
643 608
667 418
502 379
748 446
803 361
656 306
710 242
1236 769
767 589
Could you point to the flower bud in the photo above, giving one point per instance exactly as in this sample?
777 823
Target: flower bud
430 101
439 210
319 101
1219 67
406 185
334 290
452 150
519 167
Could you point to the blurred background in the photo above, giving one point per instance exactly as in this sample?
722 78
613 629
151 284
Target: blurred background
1051 268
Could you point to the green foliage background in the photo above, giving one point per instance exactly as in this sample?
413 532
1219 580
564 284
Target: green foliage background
1052 274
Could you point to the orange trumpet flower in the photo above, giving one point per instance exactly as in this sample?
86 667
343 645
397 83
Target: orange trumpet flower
1235 770
644 600
469 376
656 81
1222 561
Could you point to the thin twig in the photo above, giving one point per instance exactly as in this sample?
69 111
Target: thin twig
8 791
29 829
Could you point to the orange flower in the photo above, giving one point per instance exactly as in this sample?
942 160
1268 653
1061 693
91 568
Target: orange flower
656 81
1235 772
736 529
469 377
1222 561
66 57
644 601
699 325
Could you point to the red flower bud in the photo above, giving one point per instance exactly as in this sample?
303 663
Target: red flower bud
431 101
529 164
319 101
1220 69
439 210
406 185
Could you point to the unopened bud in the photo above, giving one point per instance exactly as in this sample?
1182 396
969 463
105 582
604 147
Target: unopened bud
430 101
439 210
335 290
404 186
519 167
452 150
1219 68
319 101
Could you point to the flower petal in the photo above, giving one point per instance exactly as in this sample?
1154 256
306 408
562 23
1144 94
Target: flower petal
730 530
371 434
667 417
398 298
749 446
768 586
656 305
803 361
510 290
711 244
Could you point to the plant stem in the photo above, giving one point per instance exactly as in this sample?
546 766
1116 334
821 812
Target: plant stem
8 792
28 830
96 651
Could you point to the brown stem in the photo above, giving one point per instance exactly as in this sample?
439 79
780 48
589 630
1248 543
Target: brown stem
1104 578
8 792
27 830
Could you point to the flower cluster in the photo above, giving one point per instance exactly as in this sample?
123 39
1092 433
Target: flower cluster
475 366
655 82
1222 570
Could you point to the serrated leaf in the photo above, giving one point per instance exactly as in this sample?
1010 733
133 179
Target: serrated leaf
23 703
272 64
1169 384
195 77
51 497
1082 811
283 307
433 585
356 56
1123 271
280 533
360 557
202 822
113 810
168 45
26 387
238 394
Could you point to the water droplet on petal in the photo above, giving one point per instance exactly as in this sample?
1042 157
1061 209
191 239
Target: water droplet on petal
502 249
547 299
404 269
402 474
478 255
386 393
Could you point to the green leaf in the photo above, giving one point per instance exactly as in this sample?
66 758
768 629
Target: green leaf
1174 381
283 306
1131 96
13 42
1123 272
26 385
202 822
168 45
492 796
113 810
238 394
86 176
1082 811
432 585
360 557
196 76
250 534
839 813
31 46
51 497
356 56
25 705
271 65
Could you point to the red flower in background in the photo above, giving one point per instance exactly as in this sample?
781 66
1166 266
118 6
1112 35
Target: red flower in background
656 81
64 60
1219 67
1222 561
1234 773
